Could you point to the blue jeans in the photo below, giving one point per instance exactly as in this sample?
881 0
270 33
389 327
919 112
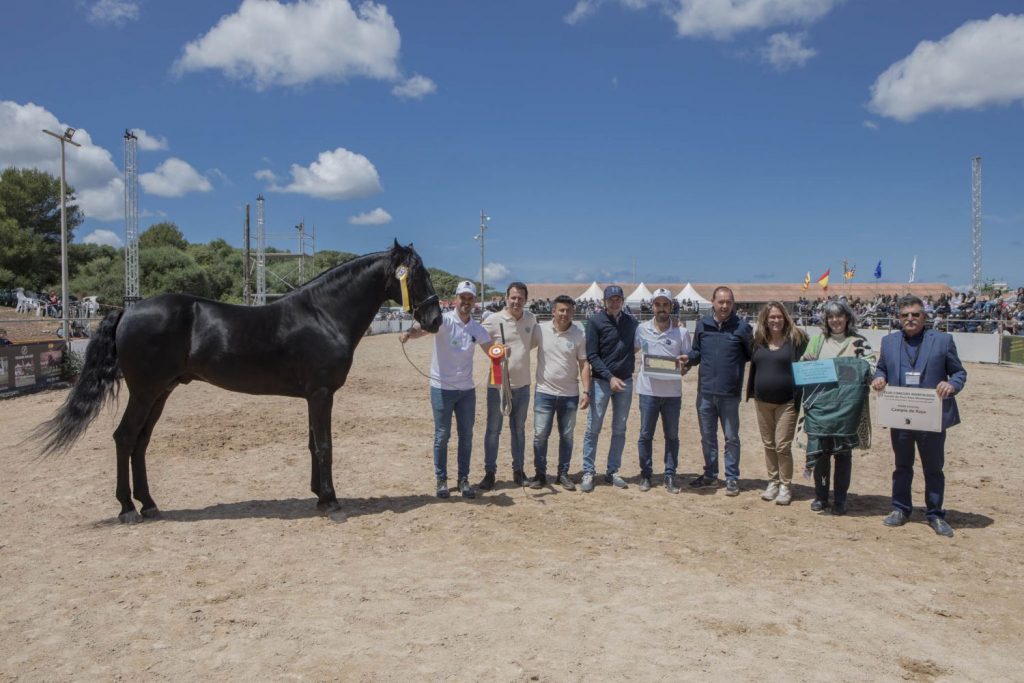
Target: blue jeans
712 409
516 425
668 408
444 402
546 408
595 420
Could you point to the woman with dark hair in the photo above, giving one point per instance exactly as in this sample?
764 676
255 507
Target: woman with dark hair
839 339
777 343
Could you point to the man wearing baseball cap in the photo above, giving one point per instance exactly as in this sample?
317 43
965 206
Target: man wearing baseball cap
451 384
610 336
661 394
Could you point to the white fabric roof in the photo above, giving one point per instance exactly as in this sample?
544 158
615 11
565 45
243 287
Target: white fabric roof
641 293
594 291
690 293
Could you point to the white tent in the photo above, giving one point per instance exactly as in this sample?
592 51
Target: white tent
594 291
689 293
641 293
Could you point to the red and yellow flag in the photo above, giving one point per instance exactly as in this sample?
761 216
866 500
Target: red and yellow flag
823 280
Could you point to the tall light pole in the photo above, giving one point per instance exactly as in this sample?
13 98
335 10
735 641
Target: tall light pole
66 137
483 227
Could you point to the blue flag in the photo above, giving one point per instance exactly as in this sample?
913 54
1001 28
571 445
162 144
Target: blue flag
878 270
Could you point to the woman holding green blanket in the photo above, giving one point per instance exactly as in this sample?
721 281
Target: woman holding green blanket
836 414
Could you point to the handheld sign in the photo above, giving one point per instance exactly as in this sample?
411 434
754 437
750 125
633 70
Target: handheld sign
910 408
814 372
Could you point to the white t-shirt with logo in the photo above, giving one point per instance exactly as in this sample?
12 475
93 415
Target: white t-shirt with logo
454 344
673 342
521 337
558 359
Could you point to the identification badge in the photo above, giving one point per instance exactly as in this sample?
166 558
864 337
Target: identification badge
913 379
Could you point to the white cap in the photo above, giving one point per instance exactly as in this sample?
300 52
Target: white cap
466 287
662 292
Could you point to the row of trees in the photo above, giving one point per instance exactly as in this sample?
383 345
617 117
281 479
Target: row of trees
30 252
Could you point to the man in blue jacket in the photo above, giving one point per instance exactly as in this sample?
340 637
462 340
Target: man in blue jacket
721 347
926 359
610 335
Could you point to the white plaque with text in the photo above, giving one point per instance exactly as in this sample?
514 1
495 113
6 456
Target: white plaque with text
910 408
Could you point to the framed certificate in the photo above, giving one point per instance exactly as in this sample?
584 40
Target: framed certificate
660 367
910 408
814 372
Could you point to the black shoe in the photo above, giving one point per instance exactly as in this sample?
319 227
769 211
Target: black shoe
487 483
896 518
519 478
941 527
670 483
442 488
539 480
645 483
566 482
703 481
839 509
818 505
465 489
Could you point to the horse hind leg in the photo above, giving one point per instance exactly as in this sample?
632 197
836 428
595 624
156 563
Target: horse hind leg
139 478
126 436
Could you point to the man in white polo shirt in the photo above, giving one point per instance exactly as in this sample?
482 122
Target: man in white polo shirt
660 393
451 384
561 366
516 328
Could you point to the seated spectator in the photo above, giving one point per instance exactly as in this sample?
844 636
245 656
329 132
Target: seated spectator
4 341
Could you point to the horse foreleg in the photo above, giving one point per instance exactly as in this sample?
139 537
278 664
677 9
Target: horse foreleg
125 437
139 479
314 475
320 405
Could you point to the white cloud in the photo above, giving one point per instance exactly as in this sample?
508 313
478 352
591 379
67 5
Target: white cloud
147 142
115 12
414 88
219 175
975 65
267 43
108 237
870 124
786 50
90 169
266 175
174 178
496 272
338 174
376 217
720 19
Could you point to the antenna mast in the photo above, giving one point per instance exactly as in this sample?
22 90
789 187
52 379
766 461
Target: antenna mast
976 281
131 220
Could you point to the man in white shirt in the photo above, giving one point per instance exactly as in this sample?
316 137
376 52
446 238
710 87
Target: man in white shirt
451 384
561 366
660 392
515 328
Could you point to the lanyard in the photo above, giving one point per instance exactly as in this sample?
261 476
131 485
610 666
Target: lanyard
912 359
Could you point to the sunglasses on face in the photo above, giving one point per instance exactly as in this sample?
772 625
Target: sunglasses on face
915 314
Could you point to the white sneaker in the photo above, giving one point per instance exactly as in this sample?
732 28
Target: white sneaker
785 496
771 492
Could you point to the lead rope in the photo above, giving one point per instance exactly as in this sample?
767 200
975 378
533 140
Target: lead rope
431 377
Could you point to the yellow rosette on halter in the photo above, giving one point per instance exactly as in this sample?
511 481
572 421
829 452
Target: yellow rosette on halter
496 354
403 278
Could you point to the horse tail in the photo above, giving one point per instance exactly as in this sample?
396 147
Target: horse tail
97 385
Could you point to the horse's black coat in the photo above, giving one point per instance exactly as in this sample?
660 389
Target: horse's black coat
300 345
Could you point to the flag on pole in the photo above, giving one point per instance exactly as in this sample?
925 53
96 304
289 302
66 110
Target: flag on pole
807 280
913 270
848 272
823 280
878 270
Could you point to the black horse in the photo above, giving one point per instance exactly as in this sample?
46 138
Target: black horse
300 345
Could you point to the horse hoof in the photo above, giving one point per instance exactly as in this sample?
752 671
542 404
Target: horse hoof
130 517
151 513
328 506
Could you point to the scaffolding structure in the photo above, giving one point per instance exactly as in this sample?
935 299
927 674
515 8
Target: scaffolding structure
301 264
131 220
260 260
976 279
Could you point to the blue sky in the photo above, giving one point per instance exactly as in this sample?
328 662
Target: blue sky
708 140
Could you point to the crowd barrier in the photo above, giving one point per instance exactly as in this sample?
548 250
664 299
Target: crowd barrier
385 326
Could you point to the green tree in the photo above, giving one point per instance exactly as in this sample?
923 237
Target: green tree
79 254
164 270
223 266
165 234
328 258
103 277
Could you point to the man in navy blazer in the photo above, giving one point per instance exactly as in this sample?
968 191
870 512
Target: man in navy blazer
926 359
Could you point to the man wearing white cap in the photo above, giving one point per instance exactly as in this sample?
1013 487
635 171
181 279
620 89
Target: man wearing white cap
659 385
451 384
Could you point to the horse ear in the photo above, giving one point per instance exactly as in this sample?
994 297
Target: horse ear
397 245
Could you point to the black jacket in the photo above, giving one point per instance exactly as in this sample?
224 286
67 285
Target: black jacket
610 346
721 350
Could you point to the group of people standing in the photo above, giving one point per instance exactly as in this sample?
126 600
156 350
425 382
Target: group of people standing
597 369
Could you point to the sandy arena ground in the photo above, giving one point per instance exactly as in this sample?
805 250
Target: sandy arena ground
243 580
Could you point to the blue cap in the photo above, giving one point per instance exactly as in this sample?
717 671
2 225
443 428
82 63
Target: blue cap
613 290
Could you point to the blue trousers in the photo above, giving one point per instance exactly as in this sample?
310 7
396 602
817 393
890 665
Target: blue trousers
546 408
621 401
651 407
516 425
444 402
931 447
712 409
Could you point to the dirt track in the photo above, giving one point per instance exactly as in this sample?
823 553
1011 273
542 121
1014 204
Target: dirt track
242 579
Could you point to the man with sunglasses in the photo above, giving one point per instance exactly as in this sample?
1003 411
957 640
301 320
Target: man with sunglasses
926 359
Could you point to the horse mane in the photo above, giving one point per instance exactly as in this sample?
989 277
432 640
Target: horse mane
355 267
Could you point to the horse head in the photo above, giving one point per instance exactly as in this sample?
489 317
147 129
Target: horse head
422 298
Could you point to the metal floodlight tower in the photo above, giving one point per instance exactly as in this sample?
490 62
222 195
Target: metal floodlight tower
64 301
131 220
976 281
260 297
483 227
